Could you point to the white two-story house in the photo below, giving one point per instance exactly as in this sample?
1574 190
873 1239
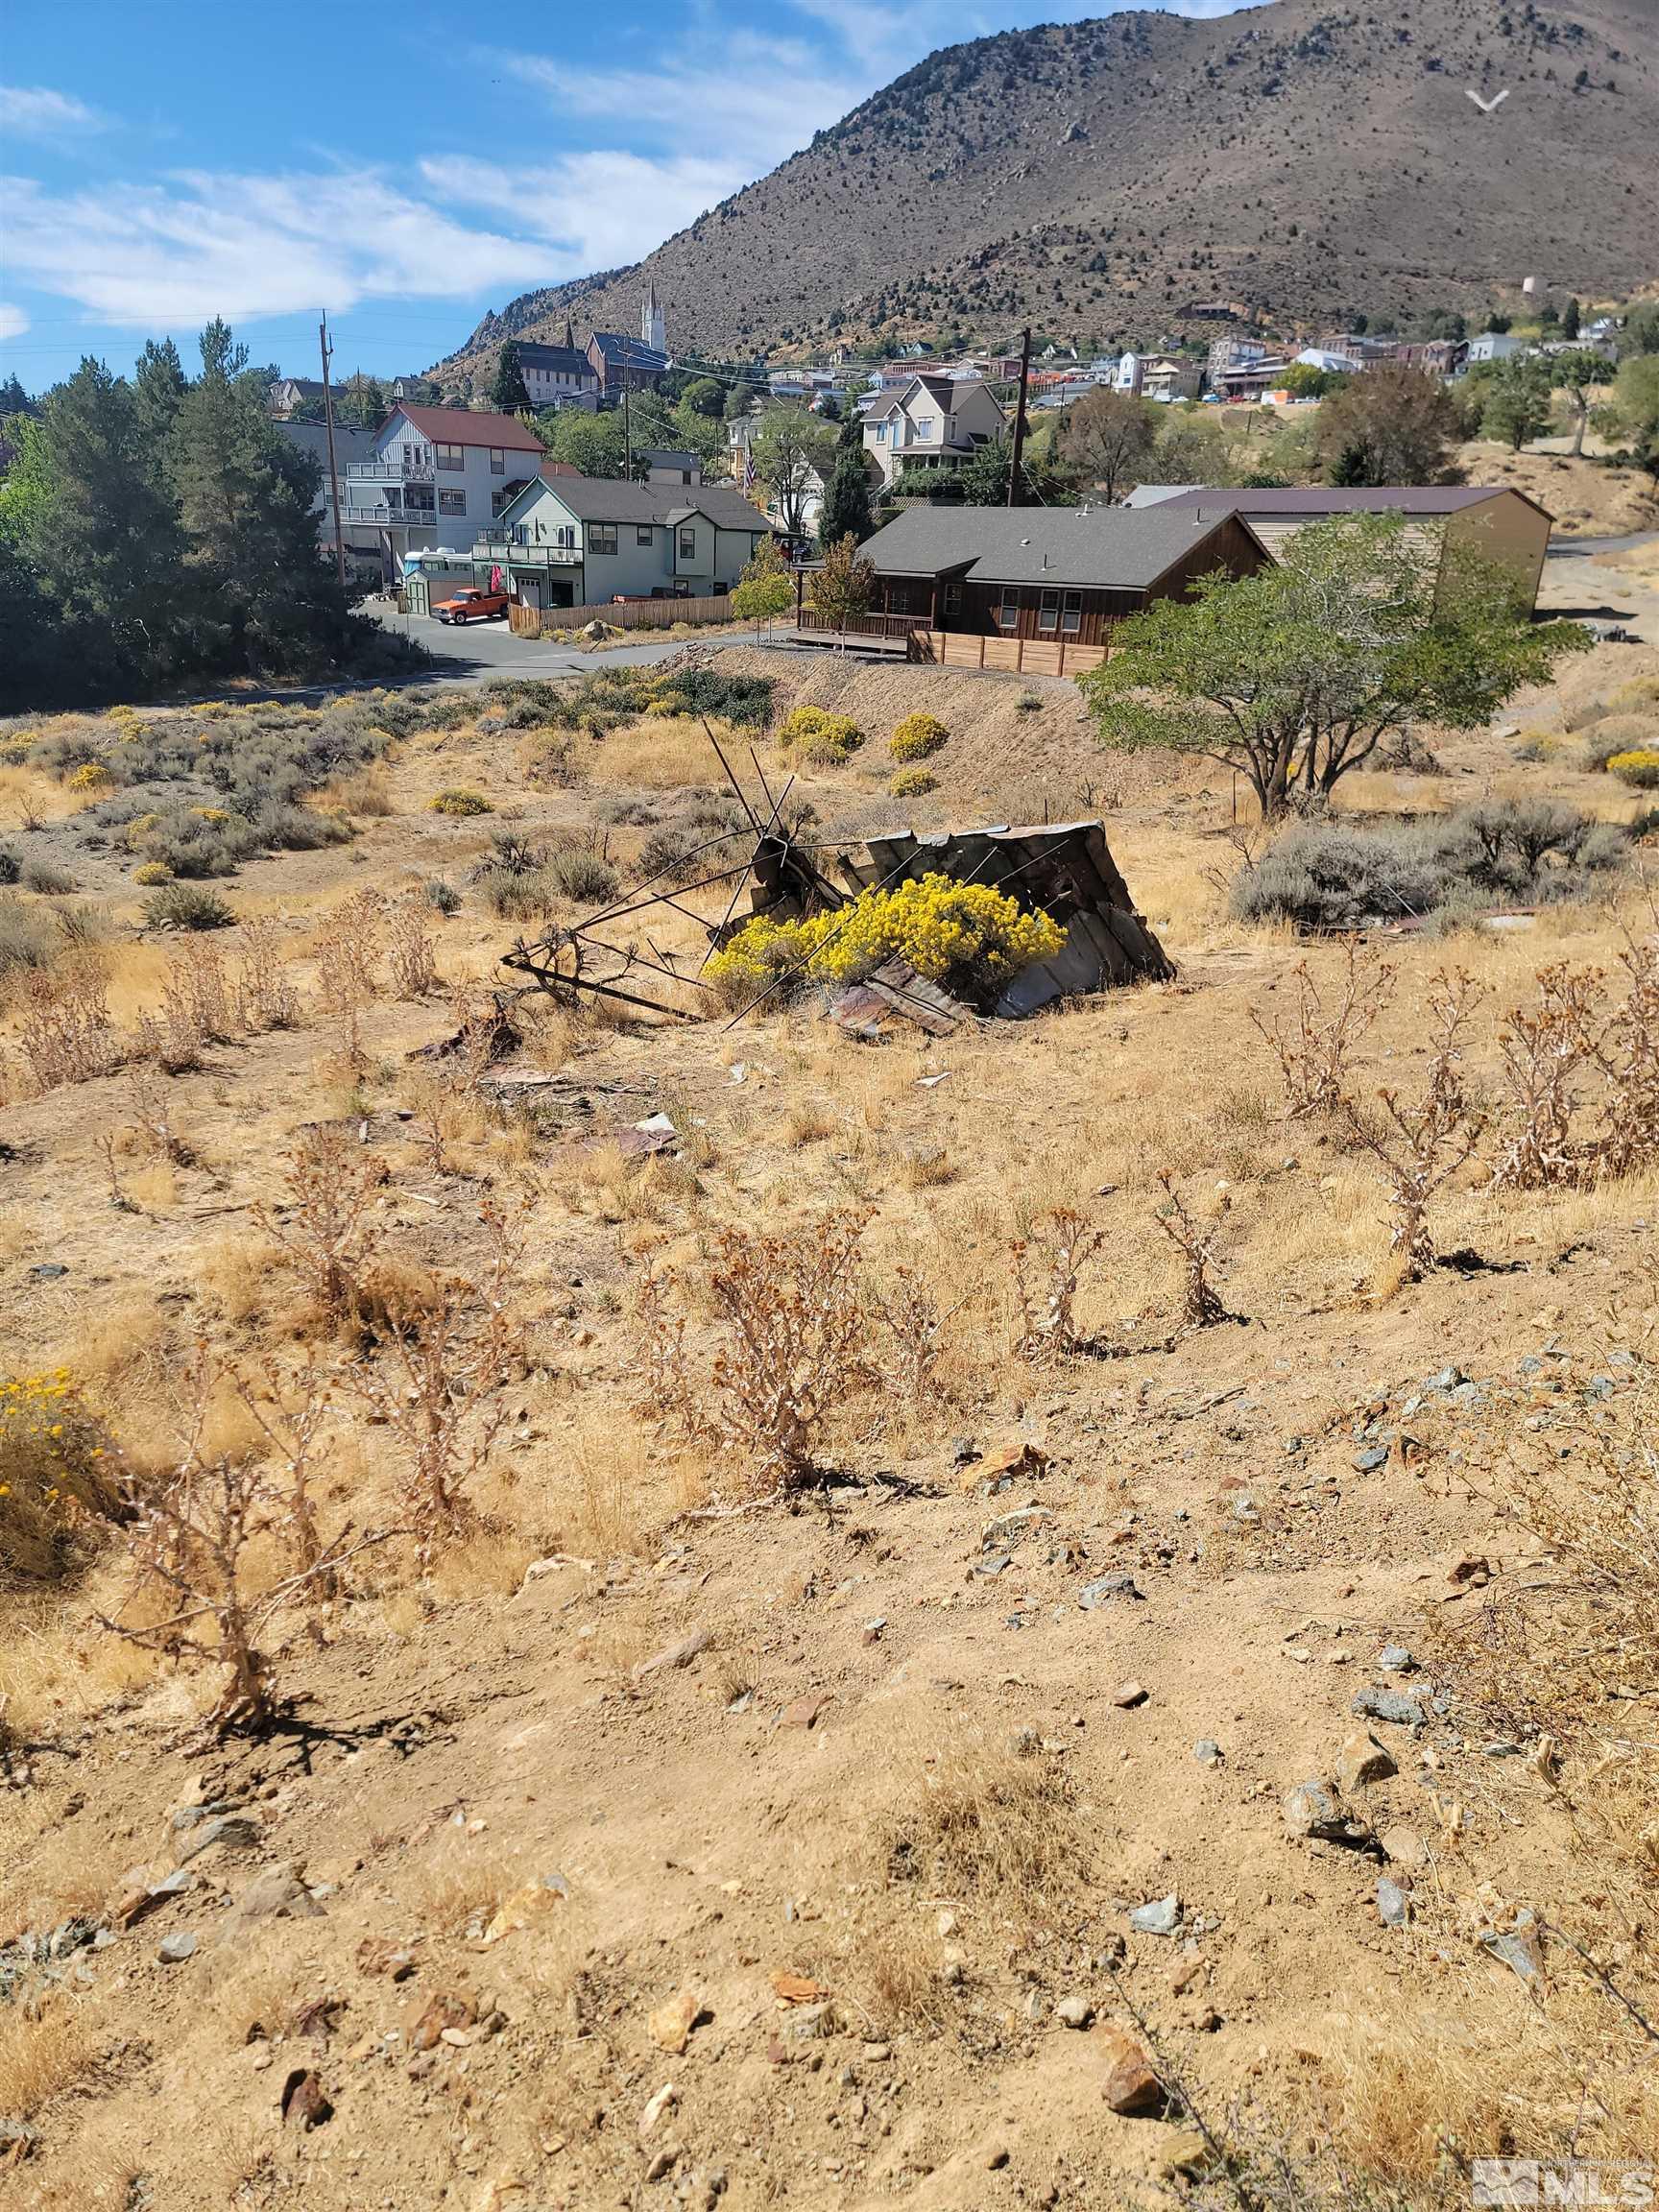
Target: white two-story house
930 423
586 540
440 476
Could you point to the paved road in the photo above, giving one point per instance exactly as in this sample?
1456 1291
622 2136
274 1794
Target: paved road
1569 548
483 650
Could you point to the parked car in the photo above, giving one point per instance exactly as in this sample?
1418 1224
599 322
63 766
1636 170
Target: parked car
471 605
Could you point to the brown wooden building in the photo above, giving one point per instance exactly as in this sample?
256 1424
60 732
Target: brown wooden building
1064 575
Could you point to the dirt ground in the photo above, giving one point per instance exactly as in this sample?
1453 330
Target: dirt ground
654 1842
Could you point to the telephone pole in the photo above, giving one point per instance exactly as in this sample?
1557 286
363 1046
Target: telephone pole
1014 486
627 430
328 352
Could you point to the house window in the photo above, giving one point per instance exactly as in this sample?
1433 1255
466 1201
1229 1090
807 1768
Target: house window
952 599
601 537
1008 614
497 461
923 428
451 502
452 457
1049 610
642 533
688 543
417 499
685 475
1072 614
881 432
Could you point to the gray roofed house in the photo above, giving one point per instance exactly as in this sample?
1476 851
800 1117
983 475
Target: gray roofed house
1064 575
672 465
1495 521
351 445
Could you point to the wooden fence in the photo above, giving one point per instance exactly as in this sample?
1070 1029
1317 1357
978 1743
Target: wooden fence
1017 656
633 615
857 625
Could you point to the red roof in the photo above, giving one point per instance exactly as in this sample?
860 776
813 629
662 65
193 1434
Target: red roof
461 427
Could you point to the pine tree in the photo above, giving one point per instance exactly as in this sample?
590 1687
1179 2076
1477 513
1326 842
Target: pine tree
99 531
846 508
158 388
245 498
509 392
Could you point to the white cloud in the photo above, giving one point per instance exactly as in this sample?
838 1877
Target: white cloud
198 245
34 111
765 96
596 210
13 319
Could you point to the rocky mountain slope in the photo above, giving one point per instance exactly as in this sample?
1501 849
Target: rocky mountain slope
1108 178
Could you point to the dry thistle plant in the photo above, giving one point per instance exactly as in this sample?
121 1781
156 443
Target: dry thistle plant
909 1313
409 949
793 1321
1314 1061
328 1227
1627 1138
1545 1052
155 1122
265 997
1200 1307
1422 1146
65 1033
345 977
296 1438
440 1388
1048 1265
192 1543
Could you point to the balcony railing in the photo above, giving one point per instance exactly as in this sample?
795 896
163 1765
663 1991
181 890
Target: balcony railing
526 551
388 472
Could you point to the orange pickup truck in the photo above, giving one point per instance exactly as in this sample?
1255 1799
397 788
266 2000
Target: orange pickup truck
471 606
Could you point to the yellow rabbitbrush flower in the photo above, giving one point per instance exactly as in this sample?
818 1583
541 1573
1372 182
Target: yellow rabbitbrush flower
967 936
53 1478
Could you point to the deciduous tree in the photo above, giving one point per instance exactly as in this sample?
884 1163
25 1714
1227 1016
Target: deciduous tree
843 588
1107 439
1391 425
791 447
1517 407
1296 675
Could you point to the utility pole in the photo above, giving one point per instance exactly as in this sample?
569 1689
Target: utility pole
1014 494
627 430
327 351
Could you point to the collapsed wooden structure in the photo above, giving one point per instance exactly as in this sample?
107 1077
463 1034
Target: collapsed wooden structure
1064 870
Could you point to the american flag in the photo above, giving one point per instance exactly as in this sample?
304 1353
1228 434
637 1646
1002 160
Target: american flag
748 470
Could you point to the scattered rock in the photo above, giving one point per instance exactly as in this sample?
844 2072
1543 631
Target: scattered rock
672 2024
236 1831
1207 1752
995 2157
664 2101
1104 1588
1162 1916
1394 1706
1374 1456
1404 1846
1518 1948
526 1906
1129 2085
1244 1511
680 1653
446 2010
796 1989
1395 1659
1315 1810
1186 2156
664 2163
49 1271
1393 1905
304 2102
172 1950
1363 1760
1128 1695
1074 2011
277 1893
1025 1741
803 1711
396 1960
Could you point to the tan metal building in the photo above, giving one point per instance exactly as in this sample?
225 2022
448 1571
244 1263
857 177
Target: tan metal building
1491 520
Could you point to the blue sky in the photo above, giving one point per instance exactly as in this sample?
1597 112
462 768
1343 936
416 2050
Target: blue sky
162 161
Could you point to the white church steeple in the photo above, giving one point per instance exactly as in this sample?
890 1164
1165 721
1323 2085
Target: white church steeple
653 324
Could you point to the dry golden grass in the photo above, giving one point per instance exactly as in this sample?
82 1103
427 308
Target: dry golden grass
44 2049
661 753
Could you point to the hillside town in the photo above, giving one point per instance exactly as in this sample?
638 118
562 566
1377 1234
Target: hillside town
830 1109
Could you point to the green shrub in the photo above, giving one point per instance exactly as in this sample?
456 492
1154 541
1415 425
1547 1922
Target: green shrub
918 736
1639 767
913 783
38 874
585 877
1337 876
10 868
460 803
824 740
187 907
680 848
440 894
28 939
1028 703
1618 734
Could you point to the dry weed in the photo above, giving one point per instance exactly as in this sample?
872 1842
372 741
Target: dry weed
1314 1061
1200 1307
1048 1265
328 1227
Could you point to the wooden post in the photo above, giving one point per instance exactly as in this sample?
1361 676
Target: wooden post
333 473
1014 498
